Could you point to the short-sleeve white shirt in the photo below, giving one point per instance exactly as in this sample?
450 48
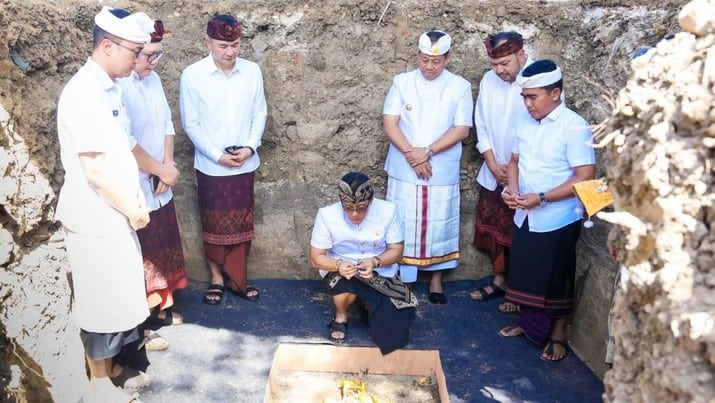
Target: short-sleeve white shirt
427 110
548 150
334 232
91 118
150 118
218 111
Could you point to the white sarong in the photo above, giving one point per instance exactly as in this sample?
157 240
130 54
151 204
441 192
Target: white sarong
430 216
108 281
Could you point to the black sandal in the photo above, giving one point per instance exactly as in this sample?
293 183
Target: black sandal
497 292
549 350
214 290
244 295
167 320
337 327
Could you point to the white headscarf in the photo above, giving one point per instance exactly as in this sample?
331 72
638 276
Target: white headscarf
439 48
539 80
136 27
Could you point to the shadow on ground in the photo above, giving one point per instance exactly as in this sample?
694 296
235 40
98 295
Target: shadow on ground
223 353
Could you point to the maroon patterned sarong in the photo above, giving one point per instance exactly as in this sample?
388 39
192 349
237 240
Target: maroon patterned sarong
226 208
493 227
164 267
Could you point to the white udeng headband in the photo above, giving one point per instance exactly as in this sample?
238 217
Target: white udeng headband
439 48
136 27
539 80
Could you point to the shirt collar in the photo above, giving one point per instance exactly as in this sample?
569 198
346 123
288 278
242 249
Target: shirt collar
439 78
554 115
98 72
211 67
136 76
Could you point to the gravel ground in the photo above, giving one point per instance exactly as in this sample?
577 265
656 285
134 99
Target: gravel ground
223 353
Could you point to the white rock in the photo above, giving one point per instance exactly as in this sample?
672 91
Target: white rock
698 17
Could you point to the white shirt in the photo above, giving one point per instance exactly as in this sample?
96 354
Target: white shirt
91 118
548 150
150 117
497 102
427 110
334 232
218 111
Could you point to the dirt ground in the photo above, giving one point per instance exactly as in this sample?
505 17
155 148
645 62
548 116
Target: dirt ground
290 386
327 66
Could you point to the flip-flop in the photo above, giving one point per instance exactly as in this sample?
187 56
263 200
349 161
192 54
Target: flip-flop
504 333
154 342
508 308
550 350
244 295
214 290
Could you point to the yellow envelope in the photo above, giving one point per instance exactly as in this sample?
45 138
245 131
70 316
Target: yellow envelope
593 194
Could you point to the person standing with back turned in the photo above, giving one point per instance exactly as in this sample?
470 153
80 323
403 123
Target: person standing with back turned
427 114
223 111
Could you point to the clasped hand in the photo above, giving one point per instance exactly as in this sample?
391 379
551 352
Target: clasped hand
419 160
235 159
167 178
523 202
500 172
363 269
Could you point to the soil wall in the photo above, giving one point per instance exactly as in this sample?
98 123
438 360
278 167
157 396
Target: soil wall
661 140
327 67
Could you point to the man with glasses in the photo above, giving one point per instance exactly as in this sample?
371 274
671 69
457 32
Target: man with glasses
356 244
223 111
498 102
101 206
152 142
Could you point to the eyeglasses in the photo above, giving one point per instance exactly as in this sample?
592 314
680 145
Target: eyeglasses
153 57
136 52
356 208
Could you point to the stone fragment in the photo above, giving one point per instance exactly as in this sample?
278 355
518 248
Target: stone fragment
698 17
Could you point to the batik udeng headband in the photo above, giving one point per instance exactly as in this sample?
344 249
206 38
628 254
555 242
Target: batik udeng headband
506 48
362 193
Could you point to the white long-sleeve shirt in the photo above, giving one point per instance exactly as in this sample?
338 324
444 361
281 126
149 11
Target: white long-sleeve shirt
150 117
497 102
218 111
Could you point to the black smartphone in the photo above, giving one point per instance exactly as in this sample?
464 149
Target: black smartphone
154 182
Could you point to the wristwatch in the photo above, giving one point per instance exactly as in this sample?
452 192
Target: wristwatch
430 153
542 198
